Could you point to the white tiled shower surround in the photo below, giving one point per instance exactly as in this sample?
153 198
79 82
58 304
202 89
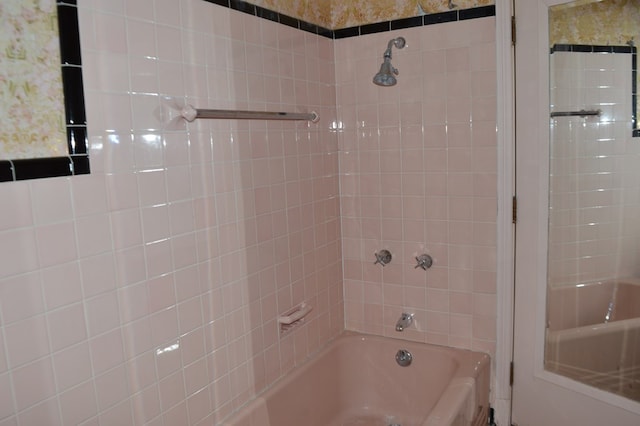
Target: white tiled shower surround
147 292
418 175
595 198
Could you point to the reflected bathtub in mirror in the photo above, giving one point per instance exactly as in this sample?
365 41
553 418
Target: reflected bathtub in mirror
593 335
594 203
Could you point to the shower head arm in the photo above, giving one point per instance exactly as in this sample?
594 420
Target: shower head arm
398 42
387 53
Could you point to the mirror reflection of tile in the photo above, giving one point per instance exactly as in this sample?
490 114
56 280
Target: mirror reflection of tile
602 22
593 289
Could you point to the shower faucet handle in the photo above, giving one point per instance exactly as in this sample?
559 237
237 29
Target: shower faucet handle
424 261
383 257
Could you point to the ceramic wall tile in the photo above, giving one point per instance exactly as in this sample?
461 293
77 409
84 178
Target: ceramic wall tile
134 261
160 275
431 190
587 206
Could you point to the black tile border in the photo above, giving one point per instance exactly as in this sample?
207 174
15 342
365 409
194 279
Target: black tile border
266 14
634 91
476 12
346 33
77 162
589 48
224 3
70 43
6 171
242 6
441 18
378 27
73 95
400 24
37 168
71 65
592 48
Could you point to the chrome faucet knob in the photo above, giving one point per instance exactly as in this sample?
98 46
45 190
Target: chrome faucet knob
382 257
424 261
404 358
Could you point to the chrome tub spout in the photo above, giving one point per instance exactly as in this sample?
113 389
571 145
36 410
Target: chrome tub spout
404 321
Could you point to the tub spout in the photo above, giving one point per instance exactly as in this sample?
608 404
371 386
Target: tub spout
404 321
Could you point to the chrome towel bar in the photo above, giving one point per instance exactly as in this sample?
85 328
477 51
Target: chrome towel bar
190 113
581 113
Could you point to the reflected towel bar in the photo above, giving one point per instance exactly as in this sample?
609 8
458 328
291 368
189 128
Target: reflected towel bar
581 113
190 113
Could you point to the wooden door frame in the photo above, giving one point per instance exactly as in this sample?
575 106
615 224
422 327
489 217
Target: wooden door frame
505 74
602 399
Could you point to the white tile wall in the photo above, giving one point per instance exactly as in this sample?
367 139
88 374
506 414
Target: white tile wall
418 175
147 292
594 182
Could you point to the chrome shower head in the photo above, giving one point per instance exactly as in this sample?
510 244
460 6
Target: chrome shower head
387 73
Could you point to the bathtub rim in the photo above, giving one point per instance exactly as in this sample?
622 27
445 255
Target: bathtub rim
622 280
593 329
458 391
568 334
554 324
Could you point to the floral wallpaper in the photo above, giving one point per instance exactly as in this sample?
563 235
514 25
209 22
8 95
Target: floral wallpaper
356 12
608 22
435 6
31 96
336 14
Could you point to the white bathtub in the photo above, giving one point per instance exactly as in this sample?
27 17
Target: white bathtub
356 381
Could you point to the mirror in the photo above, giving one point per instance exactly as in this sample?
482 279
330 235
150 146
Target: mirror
44 131
593 283
600 23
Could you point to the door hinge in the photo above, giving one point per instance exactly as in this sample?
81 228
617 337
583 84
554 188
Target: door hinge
511 374
513 30
514 209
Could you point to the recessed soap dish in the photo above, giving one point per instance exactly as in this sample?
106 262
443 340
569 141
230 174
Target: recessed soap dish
293 317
